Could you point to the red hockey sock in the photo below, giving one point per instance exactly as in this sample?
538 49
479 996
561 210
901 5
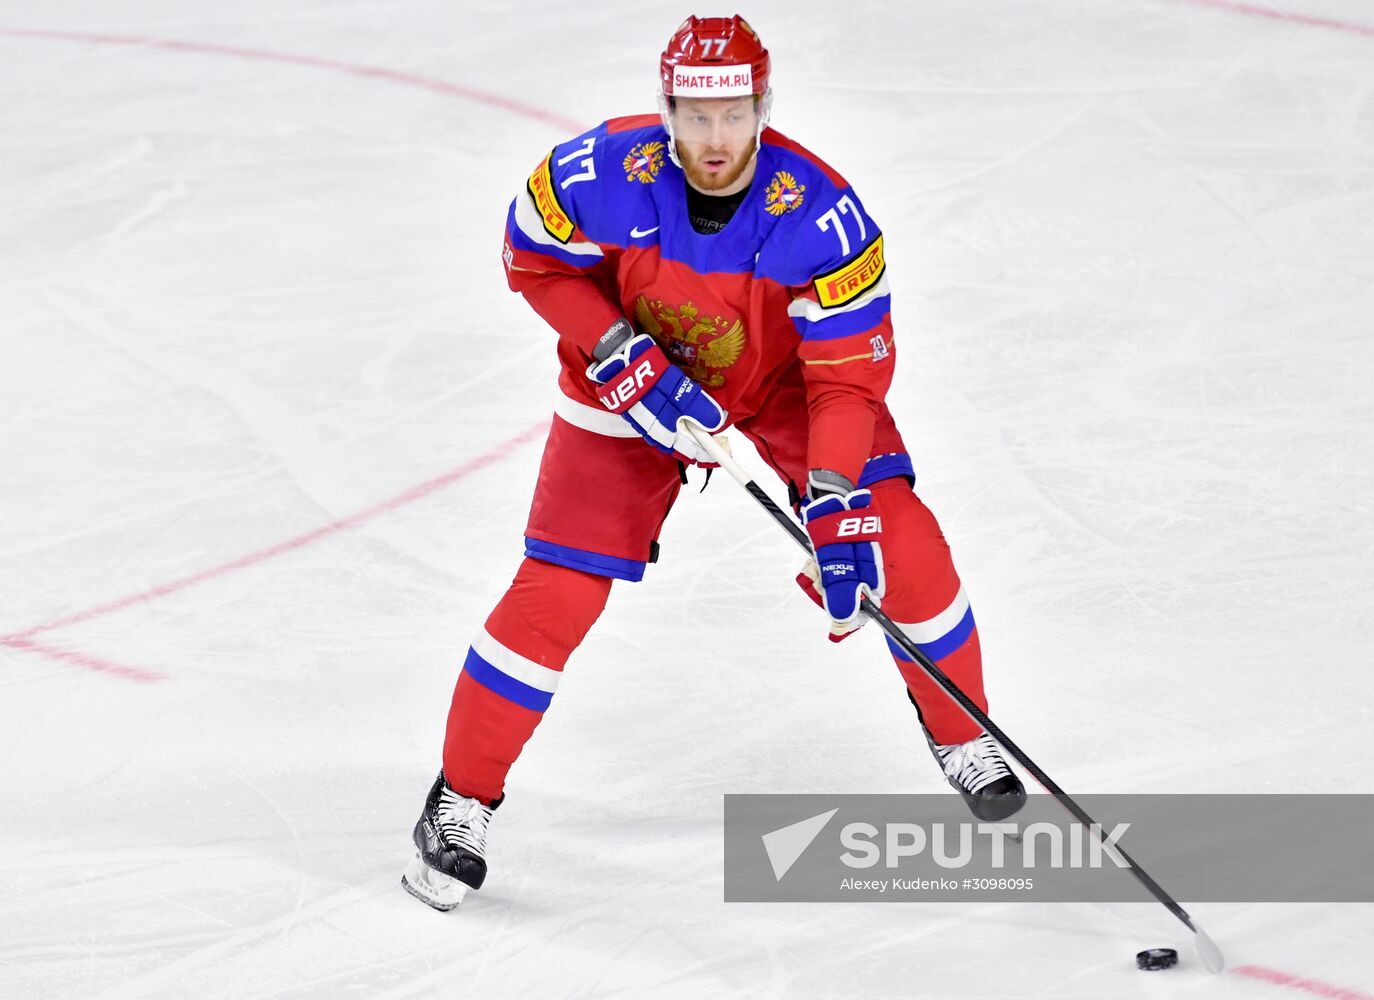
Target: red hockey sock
512 671
925 597
940 713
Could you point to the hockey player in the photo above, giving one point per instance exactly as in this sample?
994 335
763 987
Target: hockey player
697 265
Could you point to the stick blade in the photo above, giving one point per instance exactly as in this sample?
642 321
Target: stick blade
1207 950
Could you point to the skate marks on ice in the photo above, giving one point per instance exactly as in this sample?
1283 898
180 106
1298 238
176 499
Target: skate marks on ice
330 487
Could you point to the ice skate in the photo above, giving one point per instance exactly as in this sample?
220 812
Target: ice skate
451 845
978 772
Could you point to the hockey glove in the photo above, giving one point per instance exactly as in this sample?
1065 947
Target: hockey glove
845 532
643 386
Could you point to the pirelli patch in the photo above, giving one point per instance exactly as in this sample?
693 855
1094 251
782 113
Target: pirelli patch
847 283
545 198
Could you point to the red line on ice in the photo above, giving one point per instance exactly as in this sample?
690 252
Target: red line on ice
19 639
23 640
83 660
1292 17
315 62
1312 986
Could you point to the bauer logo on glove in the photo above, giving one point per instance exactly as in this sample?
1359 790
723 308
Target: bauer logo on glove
653 394
619 396
860 525
848 557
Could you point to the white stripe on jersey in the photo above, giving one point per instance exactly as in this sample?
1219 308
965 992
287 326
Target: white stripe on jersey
593 418
813 311
528 220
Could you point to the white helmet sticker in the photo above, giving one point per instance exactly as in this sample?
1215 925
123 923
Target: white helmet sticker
713 81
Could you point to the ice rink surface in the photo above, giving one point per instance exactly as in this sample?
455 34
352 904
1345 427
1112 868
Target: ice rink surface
269 421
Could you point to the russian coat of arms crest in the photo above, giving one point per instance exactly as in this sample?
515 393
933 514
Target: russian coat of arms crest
698 343
643 162
783 194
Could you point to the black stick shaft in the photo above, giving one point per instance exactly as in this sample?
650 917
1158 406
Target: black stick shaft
974 712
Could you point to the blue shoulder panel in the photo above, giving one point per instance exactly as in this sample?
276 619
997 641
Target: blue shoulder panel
602 176
574 171
827 226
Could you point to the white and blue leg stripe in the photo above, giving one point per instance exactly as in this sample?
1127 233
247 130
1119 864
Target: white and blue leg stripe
939 636
510 675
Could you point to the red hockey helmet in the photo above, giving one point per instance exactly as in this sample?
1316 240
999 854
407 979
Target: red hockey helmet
714 57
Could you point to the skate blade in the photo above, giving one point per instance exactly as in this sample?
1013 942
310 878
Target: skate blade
431 887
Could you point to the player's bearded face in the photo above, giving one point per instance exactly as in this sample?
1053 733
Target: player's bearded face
715 142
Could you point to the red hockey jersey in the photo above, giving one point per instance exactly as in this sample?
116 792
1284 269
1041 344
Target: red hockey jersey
601 231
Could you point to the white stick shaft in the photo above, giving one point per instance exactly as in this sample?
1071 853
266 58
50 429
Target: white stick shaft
718 454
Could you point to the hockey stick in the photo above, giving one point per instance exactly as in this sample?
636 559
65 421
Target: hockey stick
1207 950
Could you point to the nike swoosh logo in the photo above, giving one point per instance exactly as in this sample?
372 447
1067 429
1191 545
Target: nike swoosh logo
636 232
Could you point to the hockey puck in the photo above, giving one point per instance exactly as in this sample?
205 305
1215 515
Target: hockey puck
1156 958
